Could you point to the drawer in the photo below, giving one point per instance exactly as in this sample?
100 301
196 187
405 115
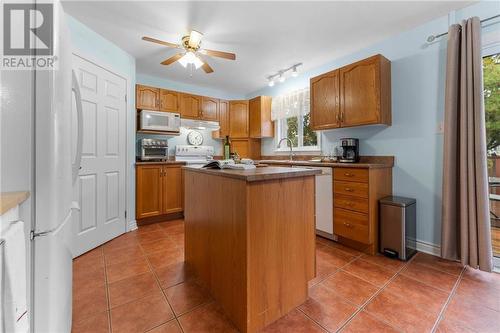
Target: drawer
351 174
356 232
351 188
351 202
348 216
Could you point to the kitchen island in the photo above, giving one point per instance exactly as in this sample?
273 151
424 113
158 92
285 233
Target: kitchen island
250 239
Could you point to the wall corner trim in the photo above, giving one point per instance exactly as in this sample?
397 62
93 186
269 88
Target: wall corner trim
429 248
131 225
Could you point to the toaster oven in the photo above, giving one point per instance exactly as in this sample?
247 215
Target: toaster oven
153 149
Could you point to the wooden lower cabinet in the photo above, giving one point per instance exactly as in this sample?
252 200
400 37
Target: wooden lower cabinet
149 190
246 148
356 193
159 190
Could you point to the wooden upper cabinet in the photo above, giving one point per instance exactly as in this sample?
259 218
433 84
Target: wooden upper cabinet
149 190
169 101
147 98
246 148
209 108
238 119
354 95
325 104
260 125
223 120
365 92
190 106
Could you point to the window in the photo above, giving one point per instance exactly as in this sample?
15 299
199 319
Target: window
298 130
491 77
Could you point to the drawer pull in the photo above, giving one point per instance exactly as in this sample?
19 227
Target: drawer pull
350 204
348 189
348 225
347 174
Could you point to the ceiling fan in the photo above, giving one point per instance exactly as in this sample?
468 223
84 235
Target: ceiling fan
192 51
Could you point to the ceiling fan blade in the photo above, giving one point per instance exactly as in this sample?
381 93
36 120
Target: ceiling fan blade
220 54
157 41
194 39
206 67
172 59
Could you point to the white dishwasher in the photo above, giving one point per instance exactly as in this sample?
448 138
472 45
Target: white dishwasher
324 201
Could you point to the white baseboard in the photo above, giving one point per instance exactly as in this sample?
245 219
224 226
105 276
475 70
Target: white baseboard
132 225
428 248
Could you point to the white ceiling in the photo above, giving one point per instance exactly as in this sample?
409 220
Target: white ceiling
266 36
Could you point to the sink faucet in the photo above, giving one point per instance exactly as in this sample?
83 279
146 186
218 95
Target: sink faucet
290 144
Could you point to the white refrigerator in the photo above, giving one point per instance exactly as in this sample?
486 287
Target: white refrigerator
56 168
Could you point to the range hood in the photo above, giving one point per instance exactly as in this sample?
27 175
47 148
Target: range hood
200 124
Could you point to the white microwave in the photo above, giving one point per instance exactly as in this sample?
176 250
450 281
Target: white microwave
159 121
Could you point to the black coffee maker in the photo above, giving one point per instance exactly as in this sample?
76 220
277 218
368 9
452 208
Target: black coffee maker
350 150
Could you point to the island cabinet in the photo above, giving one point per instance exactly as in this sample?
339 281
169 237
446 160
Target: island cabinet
354 95
159 190
238 119
356 192
249 239
260 123
147 98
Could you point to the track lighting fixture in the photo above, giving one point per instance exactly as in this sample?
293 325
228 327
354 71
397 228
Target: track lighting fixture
280 76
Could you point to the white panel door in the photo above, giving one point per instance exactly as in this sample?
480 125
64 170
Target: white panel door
100 187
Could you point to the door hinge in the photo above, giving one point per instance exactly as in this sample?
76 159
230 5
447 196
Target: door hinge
125 98
125 214
34 234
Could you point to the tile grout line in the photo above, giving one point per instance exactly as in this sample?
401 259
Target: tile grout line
359 307
448 300
162 291
354 258
378 292
108 302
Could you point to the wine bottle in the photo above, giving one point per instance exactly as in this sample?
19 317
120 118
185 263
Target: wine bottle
227 148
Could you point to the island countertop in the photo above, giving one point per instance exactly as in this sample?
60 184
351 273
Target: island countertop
259 173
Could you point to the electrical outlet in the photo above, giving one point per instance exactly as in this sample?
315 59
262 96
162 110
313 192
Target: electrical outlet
440 128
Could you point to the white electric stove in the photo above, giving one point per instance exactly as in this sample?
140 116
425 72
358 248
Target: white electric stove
196 156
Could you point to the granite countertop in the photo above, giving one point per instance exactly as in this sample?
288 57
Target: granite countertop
160 162
258 174
366 162
9 200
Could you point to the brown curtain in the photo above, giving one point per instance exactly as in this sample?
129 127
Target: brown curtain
466 224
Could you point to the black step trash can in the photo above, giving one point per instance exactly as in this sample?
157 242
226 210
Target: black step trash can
398 227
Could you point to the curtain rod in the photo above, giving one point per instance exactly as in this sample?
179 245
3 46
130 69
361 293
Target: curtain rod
431 38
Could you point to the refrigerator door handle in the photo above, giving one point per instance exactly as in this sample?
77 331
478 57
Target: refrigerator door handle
79 111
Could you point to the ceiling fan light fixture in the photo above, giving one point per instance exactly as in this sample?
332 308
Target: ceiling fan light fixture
282 78
190 58
195 38
270 83
294 71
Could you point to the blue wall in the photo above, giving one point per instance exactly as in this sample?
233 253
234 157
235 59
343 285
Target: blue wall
92 46
418 83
